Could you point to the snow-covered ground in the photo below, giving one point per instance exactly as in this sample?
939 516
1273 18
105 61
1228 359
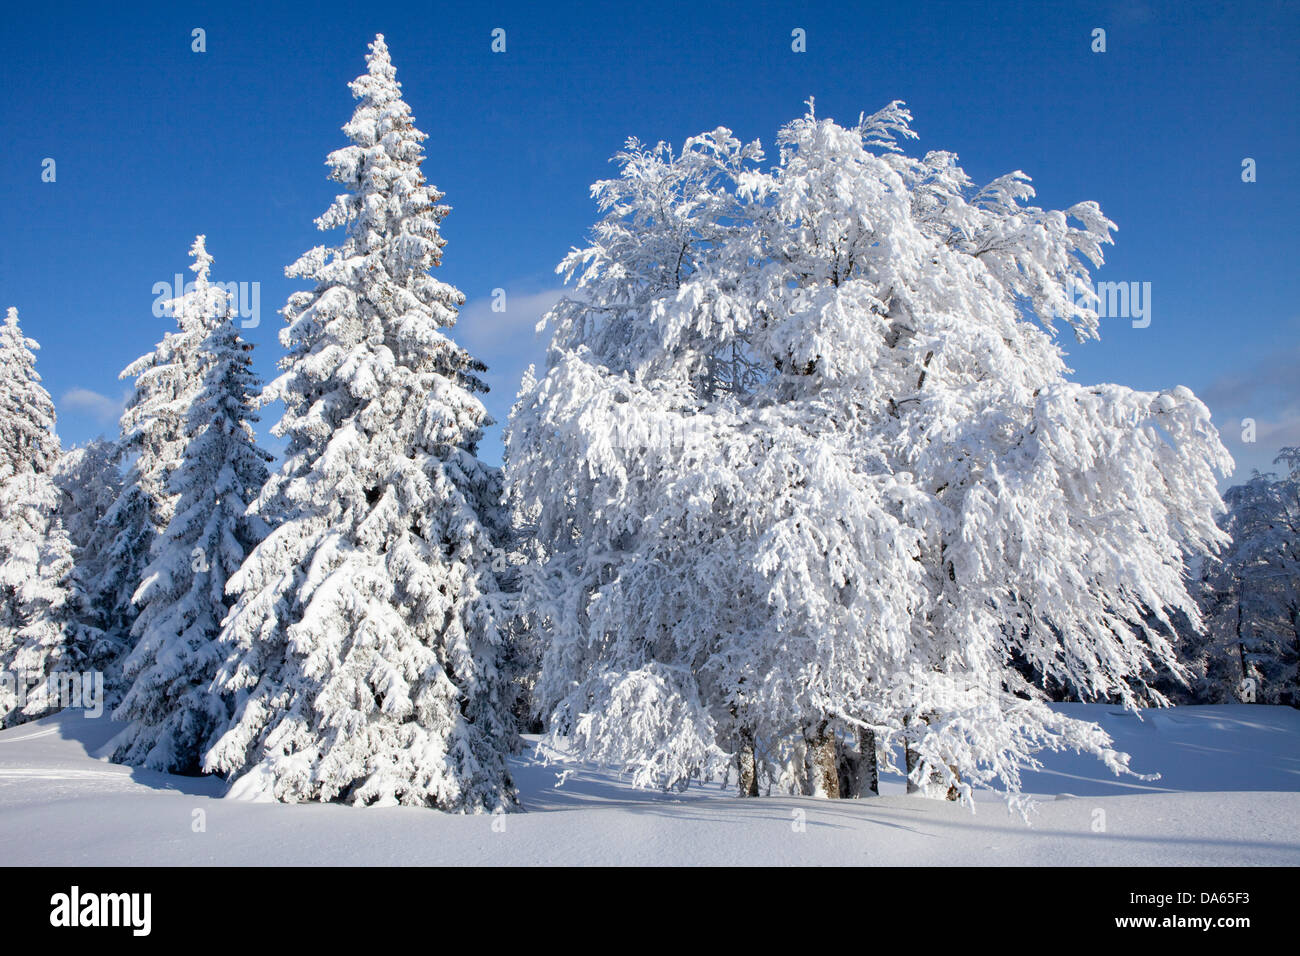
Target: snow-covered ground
1229 794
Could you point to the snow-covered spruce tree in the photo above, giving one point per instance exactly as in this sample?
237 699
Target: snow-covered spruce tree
881 489
524 631
364 648
173 711
90 479
151 443
1250 595
42 608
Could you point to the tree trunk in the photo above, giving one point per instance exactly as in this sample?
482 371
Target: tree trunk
933 783
953 792
748 765
826 775
910 760
1295 630
859 776
1241 645
870 774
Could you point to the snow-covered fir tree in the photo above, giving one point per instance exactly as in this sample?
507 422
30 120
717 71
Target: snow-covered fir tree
89 477
172 708
150 446
42 608
523 629
364 645
810 477
91 480
1250 595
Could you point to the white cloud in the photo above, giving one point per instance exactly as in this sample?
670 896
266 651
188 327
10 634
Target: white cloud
101 408
507 342
1270 383
484 331
1267 393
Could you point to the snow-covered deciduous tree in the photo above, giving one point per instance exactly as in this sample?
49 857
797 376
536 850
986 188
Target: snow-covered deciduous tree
625 461
1250 595
42 608
811 480
172 709
364 644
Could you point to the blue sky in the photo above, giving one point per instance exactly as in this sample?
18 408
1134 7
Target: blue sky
155 143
